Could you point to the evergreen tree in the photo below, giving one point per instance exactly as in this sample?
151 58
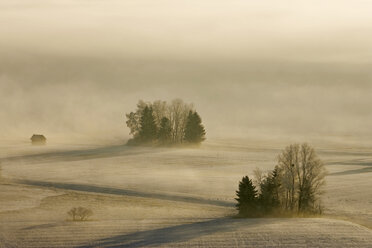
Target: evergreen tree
180 116
269 197
165 131
148 130
247 197
194 131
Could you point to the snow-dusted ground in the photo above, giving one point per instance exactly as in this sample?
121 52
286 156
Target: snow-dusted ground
169 197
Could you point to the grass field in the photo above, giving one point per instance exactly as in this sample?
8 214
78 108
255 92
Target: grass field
170 197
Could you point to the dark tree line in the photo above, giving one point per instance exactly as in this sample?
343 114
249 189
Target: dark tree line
165 123
294 186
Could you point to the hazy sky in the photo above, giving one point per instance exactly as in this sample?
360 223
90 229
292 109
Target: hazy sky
252 68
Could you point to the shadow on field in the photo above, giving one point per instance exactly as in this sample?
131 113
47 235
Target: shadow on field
82 154
351 172
41 226
359 162
180 233
366 163
124 192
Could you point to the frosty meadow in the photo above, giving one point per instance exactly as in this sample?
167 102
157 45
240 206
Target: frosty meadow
261 138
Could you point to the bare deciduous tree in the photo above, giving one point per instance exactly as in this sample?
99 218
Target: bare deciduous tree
287 161
178 116
310 173
160 110
80 213
259 177
302 177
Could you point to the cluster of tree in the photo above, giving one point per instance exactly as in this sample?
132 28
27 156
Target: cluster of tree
165 123
294 186
80 213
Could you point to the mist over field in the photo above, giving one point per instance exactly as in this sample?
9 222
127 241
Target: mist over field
262 75
274 70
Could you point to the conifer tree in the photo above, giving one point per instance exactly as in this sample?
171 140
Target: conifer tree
165 131
179 115
269 196
246 197
194 131
148 130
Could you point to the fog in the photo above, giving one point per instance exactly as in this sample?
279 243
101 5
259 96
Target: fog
274 70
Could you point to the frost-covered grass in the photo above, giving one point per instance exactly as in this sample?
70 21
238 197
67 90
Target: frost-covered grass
168 197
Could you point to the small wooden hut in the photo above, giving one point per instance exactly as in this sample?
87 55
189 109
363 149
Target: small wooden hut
38 139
